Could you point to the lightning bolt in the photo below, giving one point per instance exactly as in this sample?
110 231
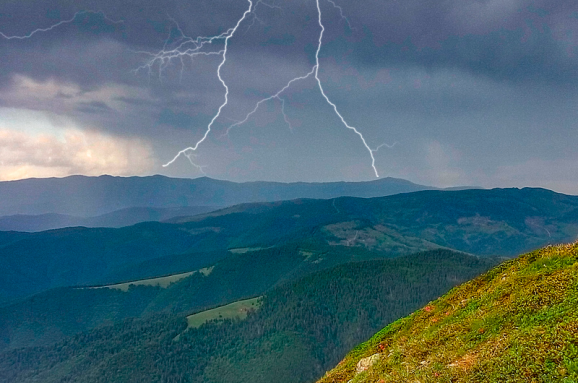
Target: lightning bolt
199 43
163 57
386 145
193 47
371 151
41 30
340 12
185 47
275 96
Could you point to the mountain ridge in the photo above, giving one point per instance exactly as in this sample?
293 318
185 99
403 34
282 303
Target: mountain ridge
119 218
484 222
92 196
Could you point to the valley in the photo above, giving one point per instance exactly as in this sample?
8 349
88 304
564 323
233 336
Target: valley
300 329
279 290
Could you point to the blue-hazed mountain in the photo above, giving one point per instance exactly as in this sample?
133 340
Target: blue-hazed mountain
92 196
119 218
482 222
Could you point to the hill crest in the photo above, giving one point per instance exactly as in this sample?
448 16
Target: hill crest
516 322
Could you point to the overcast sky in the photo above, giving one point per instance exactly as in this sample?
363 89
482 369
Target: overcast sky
461 92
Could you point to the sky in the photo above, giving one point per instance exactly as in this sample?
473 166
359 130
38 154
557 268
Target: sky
442 93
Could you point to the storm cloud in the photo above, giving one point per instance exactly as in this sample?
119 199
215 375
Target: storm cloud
471 91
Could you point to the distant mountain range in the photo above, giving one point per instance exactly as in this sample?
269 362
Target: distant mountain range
82 196
50 203
119 218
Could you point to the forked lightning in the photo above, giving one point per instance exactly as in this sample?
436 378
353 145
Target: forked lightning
199 43
200 46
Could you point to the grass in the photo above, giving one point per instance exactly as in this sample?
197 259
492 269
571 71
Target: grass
162 282
237 309
243 250
516 323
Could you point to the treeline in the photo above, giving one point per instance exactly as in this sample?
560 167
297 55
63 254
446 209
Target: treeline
301 330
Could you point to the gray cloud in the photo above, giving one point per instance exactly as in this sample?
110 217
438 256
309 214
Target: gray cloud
96 107
505 40
466 87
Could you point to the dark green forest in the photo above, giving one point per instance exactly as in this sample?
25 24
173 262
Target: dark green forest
54 314
301 330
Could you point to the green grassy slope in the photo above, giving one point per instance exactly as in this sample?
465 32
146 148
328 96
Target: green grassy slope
162 282
516 323
300 330
235 310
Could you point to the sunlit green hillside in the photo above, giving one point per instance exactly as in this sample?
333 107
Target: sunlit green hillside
516 323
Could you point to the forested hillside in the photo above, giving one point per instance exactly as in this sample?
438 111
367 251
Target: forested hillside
482 222
299 331
49 316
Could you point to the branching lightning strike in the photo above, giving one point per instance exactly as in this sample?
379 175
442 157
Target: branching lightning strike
275 96
192 47
48 29
164 57
198 45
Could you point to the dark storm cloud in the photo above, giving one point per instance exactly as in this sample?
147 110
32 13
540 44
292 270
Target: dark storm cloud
176 119
93 107
506 40
143 20
135 101
95 51
475 82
